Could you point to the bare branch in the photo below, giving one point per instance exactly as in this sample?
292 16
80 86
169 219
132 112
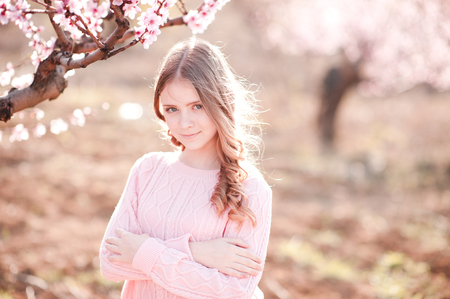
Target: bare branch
66 44
44 4
181 7
173 22
48 83
121 49
87 31
85 47
101 53
35 11
126 36
49 80
122 26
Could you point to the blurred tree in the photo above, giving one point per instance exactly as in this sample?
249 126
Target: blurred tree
78 41
387 46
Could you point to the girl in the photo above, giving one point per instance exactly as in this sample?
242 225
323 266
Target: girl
193 223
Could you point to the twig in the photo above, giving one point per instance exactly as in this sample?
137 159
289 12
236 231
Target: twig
66 45
172 22
44 4
126 36
84 47
34 11
101 53
87 31
181 7
121 49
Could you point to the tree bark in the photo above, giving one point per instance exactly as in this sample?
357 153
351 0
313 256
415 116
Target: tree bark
336 82
48 83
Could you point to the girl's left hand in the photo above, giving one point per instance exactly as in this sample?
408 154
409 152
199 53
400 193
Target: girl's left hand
125 247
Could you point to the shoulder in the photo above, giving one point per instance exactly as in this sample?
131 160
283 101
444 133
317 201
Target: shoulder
255 184
151 161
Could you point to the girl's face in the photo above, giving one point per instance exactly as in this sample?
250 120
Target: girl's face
186 117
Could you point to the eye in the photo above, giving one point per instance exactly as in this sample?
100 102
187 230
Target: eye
171 109
198 107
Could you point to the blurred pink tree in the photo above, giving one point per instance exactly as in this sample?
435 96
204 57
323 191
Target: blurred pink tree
388 46
79 40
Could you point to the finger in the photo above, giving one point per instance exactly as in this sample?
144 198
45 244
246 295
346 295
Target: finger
112 240
235 273
120 232
249 263
115 258
237 241
244 269
112 248
249 254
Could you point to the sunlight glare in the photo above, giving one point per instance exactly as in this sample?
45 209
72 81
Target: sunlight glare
131 110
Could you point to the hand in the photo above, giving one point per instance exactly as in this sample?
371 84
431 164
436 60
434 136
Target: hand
125 247
228 255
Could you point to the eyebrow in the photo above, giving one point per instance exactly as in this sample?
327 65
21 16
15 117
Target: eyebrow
188 104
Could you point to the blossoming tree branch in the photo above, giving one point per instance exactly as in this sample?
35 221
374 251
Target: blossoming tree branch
78 40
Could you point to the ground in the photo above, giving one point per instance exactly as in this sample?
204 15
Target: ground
369 220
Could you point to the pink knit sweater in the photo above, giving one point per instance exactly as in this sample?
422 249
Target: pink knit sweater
171 202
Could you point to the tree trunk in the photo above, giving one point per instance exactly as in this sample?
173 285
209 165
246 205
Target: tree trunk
336 82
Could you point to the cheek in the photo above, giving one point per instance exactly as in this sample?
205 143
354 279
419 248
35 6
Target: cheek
171 122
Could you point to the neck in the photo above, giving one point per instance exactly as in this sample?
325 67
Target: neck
200 159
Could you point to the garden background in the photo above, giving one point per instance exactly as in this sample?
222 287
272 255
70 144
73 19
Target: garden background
368 220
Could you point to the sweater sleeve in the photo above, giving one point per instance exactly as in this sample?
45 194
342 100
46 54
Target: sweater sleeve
125 217
179 274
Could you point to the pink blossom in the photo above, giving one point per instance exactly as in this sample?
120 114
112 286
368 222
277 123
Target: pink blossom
131 10
59 5
164 10
103 10
3 17
117 2
150 19
169 3
138 31
93 10
190 17
75 6
59 18
199 21
149 37
149 2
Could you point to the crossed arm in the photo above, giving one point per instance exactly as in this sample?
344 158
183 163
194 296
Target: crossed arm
226 267
228 255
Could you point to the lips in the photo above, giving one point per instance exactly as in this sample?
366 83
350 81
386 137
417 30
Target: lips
189 136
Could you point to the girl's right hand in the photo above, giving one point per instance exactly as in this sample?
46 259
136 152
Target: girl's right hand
228 255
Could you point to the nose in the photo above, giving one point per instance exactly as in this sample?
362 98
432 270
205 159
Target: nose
186 120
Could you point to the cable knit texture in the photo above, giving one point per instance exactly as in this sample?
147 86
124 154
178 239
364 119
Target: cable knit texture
170 201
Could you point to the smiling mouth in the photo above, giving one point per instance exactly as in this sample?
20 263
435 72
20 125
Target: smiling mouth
189 136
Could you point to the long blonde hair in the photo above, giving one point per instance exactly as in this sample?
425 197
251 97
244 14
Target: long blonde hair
231 107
